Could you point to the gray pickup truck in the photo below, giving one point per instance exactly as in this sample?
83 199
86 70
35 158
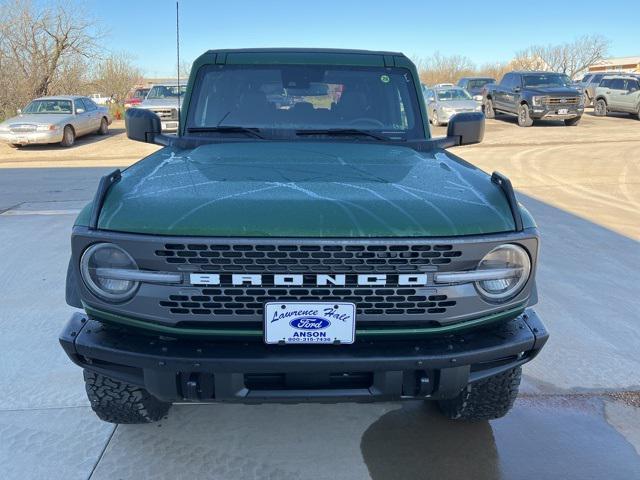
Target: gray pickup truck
165 100
535 96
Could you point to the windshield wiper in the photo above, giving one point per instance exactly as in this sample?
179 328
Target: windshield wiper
345 132
226 129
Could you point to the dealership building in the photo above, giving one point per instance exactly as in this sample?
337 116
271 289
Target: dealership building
622 64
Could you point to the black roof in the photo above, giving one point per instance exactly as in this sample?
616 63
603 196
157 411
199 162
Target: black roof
305 50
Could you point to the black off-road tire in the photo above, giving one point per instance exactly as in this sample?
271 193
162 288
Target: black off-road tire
637 114
600 108
68 136
489 112
524 118
119 402
571 122
486 399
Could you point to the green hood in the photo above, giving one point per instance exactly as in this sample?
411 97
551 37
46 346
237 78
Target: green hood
304 189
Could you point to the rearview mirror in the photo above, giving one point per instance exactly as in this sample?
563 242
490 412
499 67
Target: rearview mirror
143 126
466 128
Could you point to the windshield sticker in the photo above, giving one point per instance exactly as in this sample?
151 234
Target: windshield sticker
384 78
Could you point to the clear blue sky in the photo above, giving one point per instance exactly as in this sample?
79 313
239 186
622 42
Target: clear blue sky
484 31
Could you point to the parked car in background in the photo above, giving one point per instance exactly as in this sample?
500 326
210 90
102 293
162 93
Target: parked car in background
100 99
136 96
445 102
535 96
474 85
437 85
55 120
618 93
164 100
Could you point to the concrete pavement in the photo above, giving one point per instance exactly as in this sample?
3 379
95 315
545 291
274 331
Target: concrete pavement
583 186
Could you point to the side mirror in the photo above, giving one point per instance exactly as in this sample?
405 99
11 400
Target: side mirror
516 89
143 126
466 128
79 111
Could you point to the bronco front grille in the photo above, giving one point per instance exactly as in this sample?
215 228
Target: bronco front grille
249 301
360 258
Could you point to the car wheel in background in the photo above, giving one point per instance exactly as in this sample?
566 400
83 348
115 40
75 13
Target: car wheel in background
434 119
524 119
104 127
637 114
489 112
68 136
13 145
600 108
570 122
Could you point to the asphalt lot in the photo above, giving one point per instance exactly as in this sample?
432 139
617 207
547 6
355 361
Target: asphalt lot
578 417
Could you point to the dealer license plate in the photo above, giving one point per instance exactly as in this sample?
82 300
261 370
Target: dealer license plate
301 322
563 111
167 125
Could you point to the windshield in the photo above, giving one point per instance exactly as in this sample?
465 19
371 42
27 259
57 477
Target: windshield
480 82
165 91
453 94
49 106
140 93
547 80
307 97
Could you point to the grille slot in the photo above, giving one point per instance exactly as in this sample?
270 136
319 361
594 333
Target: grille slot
308 258
166 113
249 301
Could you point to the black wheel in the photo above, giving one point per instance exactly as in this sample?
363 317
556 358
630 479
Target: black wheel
600 108
68 136
104 127
637 114
119 402
486 399
489 112
570 122
524 118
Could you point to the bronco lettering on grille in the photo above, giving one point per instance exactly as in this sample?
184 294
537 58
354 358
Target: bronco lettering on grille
239 279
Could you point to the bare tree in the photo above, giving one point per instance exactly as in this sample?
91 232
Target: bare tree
571 58
40 46
115 75
440 69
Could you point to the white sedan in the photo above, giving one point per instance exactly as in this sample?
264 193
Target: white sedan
55 120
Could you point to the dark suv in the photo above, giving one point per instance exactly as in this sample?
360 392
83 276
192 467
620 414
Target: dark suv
475 85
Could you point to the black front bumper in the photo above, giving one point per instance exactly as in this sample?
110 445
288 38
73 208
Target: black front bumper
200 370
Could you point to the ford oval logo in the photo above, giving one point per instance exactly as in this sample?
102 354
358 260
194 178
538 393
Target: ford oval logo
309 323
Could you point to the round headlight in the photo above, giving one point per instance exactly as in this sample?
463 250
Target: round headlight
96 262
516 264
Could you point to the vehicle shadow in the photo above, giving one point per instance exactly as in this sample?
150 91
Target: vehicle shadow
622 115
512 119
533 441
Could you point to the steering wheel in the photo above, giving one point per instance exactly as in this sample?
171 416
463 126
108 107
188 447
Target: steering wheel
373 121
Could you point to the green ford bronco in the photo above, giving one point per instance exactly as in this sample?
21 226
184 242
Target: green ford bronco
302 238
